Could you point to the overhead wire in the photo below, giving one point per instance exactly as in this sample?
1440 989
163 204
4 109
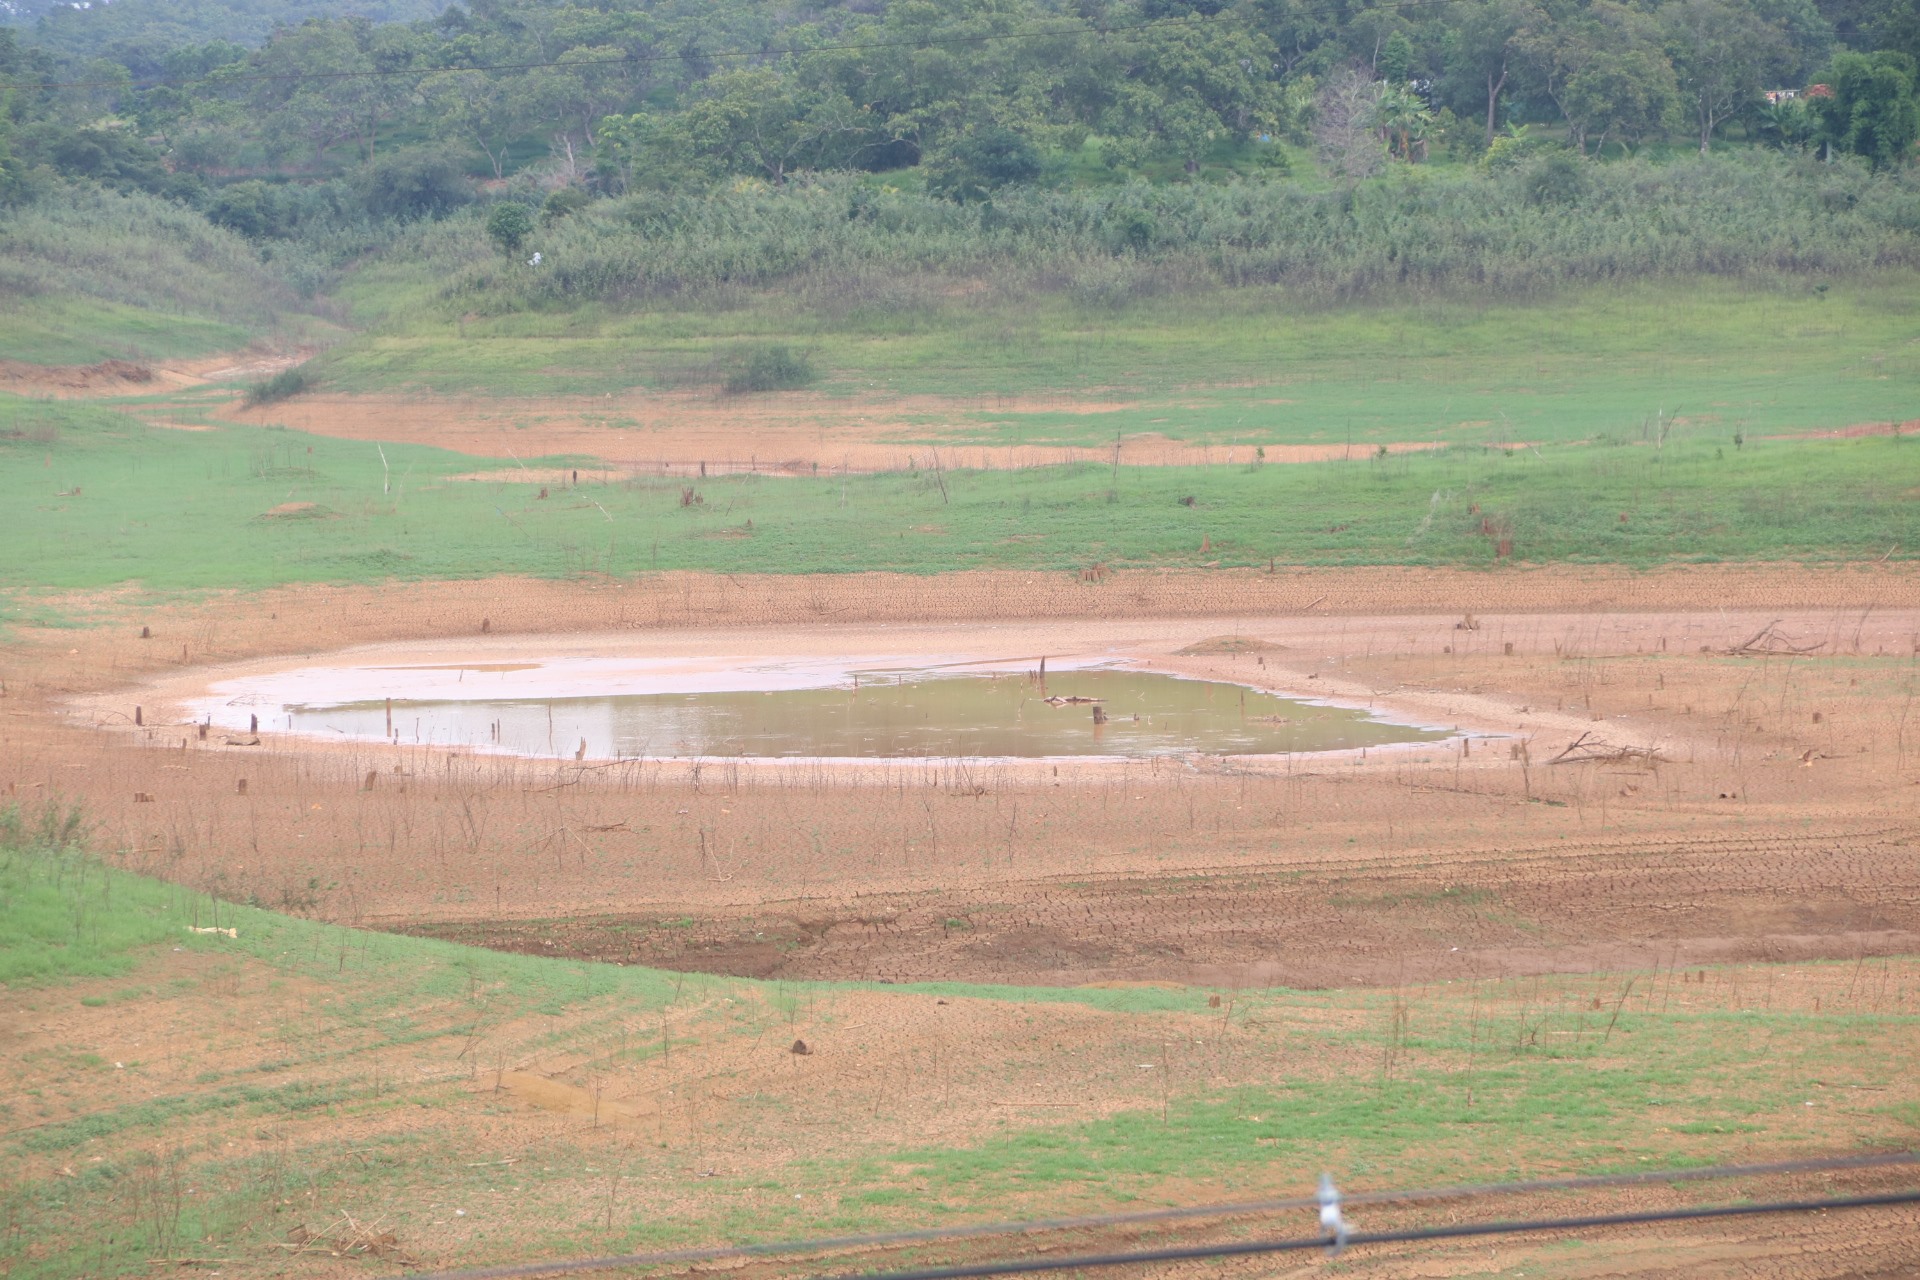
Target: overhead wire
920 42
1588 1182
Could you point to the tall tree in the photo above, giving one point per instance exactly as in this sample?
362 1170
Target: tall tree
1187 85
486 109
758 121
1482 49
1870 106
1722 53
1606 68
325 82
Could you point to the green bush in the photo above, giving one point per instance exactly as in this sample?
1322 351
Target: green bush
1557 179
417 183
1514 149
283 385
508 225
768 367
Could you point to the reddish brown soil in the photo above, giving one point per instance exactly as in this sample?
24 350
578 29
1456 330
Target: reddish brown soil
110 378
1312 924
794 432
1853 432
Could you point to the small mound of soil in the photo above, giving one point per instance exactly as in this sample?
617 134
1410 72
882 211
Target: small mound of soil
1229 644
298 511
75 377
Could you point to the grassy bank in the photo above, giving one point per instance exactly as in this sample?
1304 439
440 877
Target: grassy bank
195 1094
94 498
1248 365
88 275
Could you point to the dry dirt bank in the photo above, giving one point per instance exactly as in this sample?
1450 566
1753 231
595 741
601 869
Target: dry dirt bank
797 433
224 626
1778 821
114 378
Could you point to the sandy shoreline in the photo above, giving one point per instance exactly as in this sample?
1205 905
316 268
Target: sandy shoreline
1303 664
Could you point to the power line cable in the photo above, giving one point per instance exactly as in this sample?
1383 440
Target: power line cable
1245 1248
637 59
929 1235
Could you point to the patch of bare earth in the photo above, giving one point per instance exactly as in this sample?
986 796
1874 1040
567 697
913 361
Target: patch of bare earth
110 378
798 433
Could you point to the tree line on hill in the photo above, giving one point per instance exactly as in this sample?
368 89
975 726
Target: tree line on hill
342 127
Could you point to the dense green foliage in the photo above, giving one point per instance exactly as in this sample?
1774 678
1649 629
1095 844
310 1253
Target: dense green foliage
1498 233
1111 150
972 96
662 93
139 34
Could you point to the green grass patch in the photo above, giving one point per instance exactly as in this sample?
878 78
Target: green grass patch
58 914
1247 366
94 498
69 331
1579 1088
89 274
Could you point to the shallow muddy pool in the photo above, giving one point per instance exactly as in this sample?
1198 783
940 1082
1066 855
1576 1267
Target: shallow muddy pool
870 714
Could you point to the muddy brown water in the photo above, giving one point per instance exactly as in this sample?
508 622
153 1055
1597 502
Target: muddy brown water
883 715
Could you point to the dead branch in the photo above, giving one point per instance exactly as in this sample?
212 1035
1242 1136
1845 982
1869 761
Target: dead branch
1587 749
1770 640
348 1239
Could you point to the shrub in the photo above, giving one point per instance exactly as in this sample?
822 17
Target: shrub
1514 149
283 385
980 163
509 225
768 367
1558 179
561 203
414 184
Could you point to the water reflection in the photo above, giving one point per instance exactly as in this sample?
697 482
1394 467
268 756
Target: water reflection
1087 712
